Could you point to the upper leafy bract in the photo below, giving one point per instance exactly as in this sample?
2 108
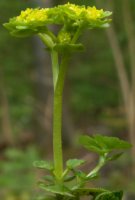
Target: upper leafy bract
70 16
103 144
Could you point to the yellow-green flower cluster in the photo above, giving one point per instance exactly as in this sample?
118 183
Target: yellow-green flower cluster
32 15
70 16
76 9
90 12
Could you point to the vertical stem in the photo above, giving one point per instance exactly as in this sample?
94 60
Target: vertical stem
57 138
57 120
55 66
76 35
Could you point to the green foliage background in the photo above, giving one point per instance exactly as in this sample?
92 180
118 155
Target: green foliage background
16 63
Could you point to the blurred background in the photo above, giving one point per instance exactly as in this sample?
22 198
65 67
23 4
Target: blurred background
99 97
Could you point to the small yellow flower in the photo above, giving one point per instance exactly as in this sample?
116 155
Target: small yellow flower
93 13
77 9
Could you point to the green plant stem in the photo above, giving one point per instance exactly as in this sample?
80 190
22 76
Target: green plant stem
47 40
55 66
76 35
101 163
57 120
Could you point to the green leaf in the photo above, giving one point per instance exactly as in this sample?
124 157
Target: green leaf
57 189
45 198
105 196
90 144
69 178
23 30
103 144
111 143
49 178
92 176
21 27
73 163
115 156
109 196
80 174
99 193
44 165
118 194
69 47
22 33
90 191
